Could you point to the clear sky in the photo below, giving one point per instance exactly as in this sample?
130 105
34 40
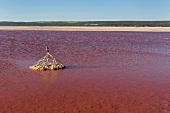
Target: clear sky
84 10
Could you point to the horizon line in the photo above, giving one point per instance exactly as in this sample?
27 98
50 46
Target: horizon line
93 21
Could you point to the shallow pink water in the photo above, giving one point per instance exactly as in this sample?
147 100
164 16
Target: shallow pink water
111 72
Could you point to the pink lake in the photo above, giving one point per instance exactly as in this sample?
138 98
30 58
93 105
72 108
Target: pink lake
106 72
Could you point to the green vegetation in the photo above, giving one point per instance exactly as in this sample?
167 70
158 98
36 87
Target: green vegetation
91 23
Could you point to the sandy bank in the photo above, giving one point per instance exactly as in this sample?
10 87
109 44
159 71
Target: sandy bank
78 28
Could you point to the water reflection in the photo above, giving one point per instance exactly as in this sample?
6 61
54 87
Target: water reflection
48 76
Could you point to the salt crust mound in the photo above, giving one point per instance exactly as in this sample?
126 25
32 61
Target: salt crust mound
48 62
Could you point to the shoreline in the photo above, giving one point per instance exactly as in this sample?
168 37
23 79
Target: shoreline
85 28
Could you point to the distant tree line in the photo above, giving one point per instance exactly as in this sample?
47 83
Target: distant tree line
91 23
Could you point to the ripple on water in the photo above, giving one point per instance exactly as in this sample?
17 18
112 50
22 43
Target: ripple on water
122 71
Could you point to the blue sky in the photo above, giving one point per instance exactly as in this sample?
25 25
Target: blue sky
84 10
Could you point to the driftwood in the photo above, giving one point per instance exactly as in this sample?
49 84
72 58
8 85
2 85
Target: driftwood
48 62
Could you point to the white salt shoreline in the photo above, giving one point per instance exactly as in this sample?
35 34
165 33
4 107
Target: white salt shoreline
81 28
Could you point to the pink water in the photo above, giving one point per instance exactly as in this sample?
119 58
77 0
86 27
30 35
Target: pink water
106 72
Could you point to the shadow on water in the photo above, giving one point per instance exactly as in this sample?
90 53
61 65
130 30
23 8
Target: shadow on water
81 67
